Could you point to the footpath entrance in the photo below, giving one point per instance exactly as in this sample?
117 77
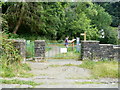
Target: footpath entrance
59 51
43 50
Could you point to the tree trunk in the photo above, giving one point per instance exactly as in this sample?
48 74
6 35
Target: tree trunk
19 21
18 25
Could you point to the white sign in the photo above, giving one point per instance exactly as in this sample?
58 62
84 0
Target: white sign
63 50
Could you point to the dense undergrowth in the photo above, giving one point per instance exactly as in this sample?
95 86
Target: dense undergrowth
11 61
105 69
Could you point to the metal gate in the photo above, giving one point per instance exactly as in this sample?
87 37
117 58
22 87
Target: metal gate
59 51
29 49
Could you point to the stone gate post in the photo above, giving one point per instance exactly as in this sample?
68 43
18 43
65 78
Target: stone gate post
20 45
39 49
89 49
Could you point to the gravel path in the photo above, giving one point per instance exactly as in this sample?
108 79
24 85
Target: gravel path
56 74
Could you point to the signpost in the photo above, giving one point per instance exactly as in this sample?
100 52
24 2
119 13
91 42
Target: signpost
84 34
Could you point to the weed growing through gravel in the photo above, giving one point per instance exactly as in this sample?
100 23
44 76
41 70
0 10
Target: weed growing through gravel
88 78
88 83
55 65
21 82
69 64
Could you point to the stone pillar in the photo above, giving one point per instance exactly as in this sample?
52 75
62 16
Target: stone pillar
39 49
20 45
90 50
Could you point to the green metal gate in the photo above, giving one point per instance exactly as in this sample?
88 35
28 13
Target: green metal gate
29 49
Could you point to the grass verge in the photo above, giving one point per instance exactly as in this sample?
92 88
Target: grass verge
105 69
19 70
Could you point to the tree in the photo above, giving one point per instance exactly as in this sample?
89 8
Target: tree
113 8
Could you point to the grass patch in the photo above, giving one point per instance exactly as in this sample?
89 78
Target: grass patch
55 65
69 64
68 55
26 75
88 83
21 82
105 69
19 70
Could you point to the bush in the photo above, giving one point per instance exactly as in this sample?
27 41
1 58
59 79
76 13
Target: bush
10 60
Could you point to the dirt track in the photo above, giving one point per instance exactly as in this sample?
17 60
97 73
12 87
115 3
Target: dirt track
56 74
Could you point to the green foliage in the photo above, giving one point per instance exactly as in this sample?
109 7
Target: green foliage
56 20
82 23
9 54
10 60
110 36
101 19
113 10
103 68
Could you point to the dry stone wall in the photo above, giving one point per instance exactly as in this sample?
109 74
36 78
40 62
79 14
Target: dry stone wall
93 50
39 48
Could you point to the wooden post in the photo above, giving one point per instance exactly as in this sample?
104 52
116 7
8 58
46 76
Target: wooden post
84 36
73 45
